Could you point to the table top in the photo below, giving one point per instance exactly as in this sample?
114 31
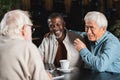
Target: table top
86 74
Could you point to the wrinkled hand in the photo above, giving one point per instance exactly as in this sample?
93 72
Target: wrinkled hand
79 44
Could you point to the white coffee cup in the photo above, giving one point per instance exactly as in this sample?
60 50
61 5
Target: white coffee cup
64 64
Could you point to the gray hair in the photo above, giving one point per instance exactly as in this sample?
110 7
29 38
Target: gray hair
13 22
98 17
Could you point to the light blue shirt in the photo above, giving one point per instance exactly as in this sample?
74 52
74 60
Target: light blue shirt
102 55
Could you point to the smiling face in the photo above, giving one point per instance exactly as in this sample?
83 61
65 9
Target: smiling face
94 32
56 26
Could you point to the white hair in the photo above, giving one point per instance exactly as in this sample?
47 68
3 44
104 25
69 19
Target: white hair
98 17
13 22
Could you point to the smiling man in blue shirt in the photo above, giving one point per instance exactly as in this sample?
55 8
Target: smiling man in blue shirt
101 51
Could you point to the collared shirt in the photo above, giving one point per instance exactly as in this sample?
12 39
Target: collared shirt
49 48
61 51
102 55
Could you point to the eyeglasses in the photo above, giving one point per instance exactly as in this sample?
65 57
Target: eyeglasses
32 28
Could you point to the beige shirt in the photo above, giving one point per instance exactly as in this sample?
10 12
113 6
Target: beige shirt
49 47
20 60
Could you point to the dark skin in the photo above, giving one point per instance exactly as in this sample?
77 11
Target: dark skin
56 26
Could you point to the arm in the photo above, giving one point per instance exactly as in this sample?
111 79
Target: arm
104 56
36 65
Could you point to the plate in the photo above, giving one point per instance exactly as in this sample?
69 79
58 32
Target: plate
65 70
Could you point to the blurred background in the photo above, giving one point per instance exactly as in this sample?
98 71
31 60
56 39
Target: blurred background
73 12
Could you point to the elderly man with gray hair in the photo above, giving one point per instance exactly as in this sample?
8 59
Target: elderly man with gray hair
19 57
100 52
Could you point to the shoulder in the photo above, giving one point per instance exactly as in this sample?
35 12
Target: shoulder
32 50
111 40
28 45
47 35
31 45
110 37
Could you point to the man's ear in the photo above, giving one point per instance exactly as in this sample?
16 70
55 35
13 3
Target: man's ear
104 28
24 31
64 24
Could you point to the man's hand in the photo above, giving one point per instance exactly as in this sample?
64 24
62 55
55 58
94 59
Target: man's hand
79 44
50 75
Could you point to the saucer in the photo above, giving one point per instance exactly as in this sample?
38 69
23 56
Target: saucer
65 70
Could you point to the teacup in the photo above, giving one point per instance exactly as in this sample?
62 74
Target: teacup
64 64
